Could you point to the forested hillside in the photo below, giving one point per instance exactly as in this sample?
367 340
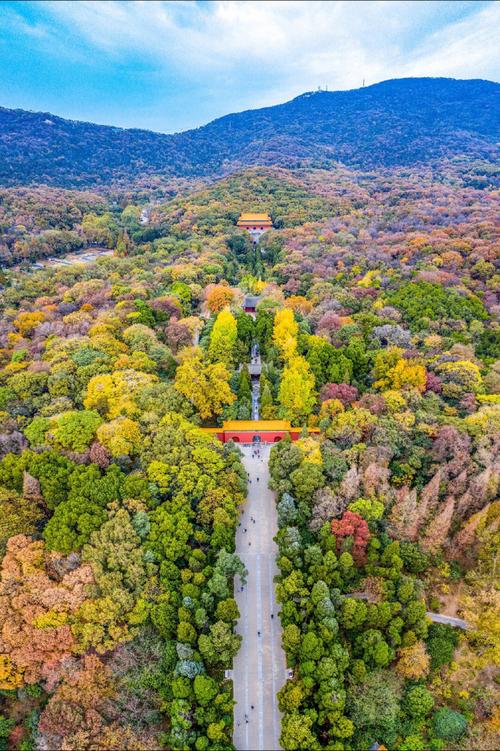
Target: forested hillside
400 122
377 324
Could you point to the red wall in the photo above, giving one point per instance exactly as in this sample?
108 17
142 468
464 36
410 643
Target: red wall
247 437
271 436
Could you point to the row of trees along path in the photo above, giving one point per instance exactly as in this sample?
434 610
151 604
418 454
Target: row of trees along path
259 668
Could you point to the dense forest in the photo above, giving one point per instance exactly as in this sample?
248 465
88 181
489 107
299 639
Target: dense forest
404 121
377 326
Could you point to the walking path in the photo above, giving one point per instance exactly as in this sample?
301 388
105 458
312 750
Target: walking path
259 668
449 620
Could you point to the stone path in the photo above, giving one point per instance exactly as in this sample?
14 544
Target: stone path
449 620
259 668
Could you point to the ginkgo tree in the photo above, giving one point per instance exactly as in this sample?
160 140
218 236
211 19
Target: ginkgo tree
285 333
223 338
296 393
205 384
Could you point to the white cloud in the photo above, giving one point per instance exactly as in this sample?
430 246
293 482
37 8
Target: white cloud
465 49
337 40
263 52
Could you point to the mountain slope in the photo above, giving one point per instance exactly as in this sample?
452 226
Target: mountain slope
398 122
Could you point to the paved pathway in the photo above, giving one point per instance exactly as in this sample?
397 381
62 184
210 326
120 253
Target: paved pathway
259 668
255 368
449 620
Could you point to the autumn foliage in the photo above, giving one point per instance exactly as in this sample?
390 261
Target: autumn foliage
352 525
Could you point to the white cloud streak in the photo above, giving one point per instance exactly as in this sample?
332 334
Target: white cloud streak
284 32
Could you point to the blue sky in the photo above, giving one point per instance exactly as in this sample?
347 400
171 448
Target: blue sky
174 65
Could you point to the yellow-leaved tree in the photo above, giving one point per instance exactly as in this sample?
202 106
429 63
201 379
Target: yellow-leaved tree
223 338
413 661
113 394
27 322
459 377
391 371
296 392
122 436
285 333
204 384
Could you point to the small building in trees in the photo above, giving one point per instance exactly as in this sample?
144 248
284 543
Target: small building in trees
250 303
255 224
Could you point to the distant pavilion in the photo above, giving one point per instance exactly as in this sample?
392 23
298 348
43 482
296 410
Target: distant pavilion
250 303
256 431
255 224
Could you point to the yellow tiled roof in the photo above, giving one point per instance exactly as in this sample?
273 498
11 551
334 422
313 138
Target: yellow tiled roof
254 218
256 425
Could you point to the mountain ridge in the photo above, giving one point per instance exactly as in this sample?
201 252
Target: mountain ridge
399 122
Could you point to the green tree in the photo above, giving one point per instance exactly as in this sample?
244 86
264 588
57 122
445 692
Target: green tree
291 639
448 724
227 610
220 645
374 708
267 408
413 743
83 512
290 696
353 613
6 726
119 599
264 323
245 328
205 689
418 702
441 644
296 732
311 647
306 479
427 300
76 430
100 230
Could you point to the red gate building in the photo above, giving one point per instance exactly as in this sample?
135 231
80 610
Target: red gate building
256 431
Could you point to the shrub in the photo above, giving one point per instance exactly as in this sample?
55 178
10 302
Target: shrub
449 725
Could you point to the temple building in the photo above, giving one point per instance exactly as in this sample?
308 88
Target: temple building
255 224
256 431
250 303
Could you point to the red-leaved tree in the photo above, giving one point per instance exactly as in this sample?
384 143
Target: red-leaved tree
354 526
